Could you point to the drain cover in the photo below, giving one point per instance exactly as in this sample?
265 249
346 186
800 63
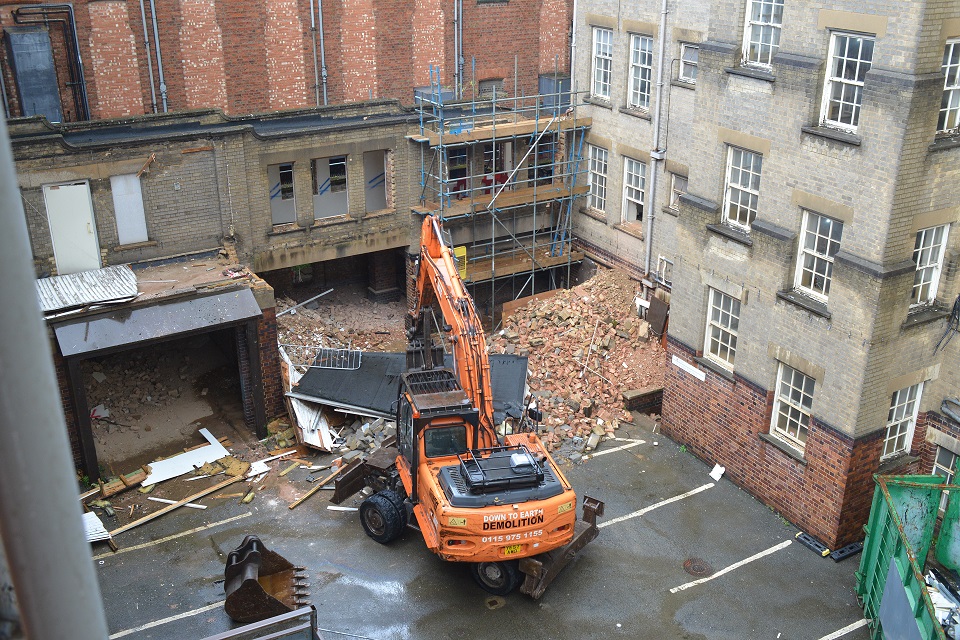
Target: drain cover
698 567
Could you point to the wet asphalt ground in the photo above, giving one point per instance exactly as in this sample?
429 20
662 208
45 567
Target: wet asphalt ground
662 510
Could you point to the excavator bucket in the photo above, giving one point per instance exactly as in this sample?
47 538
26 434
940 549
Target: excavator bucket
541 569
261 583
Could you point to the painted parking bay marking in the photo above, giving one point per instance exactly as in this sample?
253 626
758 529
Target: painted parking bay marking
735 565
157 623
172 537
839 633
630 444
640 512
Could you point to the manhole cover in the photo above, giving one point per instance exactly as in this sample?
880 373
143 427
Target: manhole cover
698 567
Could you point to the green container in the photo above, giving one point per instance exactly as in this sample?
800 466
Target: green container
900 531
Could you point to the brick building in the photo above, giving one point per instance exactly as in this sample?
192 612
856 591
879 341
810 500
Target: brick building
148 132
806 194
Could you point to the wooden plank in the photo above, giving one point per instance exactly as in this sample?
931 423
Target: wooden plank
157 514
320 484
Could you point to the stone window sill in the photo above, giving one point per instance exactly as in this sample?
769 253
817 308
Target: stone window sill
635 112
633 229
806 303
715 367
285 229
750 72
891 464
598 102
330 221
834 134
380 213
945 142
685 84
596 214
670 211
923 315
790 451
732 234
136 245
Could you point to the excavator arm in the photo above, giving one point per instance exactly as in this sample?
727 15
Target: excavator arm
439 284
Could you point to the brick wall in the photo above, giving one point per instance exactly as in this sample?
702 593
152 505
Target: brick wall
270 363
827 494
66 399
114 63
358 37
382 277
284 39
201 45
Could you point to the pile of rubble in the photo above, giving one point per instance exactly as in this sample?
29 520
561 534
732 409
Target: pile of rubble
585 347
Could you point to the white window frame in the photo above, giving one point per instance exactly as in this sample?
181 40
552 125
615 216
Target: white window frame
676 191
640 73
761 32
949 119
664 270
843 80
599 161
602 75
901 420
939 468
820 238
723 323
634 189
792 406
689 62
928 251
741 193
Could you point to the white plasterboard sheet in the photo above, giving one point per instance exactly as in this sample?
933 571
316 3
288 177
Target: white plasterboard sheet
187 461
93 528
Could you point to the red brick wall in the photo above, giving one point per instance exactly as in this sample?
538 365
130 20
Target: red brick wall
429 43
284 37
358 44
244 47
555 16
113 61
270 364
201 45
66 399
828 495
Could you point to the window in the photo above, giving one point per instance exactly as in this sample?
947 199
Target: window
634 185
128 209
282 205
949 121
723 322
329 177
602 62
928 256
598 178
819 242
945 464
665 270
445 441
689 55
641 71
743 187
284 187
791 406
849 60
901 419
761 38
678 186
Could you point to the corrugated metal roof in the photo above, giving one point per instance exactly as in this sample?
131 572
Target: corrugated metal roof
76 290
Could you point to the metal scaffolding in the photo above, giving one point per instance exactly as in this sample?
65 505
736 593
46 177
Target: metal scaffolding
503 173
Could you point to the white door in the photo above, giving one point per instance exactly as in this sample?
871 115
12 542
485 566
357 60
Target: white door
72 228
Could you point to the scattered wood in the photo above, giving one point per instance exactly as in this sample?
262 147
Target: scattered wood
317 488
168 509
289 469
188 461
228 495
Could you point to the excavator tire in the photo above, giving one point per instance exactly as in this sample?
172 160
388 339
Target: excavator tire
382 517
498 578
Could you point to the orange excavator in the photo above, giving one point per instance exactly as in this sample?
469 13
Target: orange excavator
499 503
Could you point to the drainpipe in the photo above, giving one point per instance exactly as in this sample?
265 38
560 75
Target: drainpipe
40 519
146 45
156 42
316 65
573 51
657 154
456 49
323 56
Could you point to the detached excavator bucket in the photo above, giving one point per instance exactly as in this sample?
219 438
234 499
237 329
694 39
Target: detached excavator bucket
261 583
541 570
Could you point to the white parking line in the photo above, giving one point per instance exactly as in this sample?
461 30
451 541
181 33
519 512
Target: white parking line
839 633
635 443
735 565
637 514
173 537
157 623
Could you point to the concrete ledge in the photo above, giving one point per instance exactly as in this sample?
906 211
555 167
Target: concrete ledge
715 367
924 315
747 72
833 134
774 231
647 400
777 443
731 234
809 304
